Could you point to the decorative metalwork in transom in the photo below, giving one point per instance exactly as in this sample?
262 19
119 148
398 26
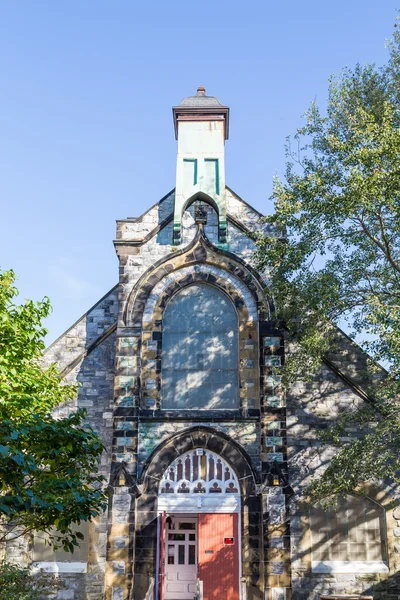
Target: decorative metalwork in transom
199 472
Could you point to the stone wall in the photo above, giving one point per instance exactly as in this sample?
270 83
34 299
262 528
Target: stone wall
311 407
148 260
71 346
114 352
87 358
153 433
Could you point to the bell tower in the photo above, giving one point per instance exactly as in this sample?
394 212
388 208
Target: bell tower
201 127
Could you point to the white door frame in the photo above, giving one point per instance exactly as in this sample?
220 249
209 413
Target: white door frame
187 518
187 504
186 473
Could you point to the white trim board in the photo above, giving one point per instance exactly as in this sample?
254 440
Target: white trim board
349 566
60 567
199 503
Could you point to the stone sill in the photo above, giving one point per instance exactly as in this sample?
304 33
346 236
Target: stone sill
349 566
346 597
60 567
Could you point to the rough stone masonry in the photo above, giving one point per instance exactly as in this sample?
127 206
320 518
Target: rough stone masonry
151 332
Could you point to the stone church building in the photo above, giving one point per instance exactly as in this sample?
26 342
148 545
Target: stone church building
206 458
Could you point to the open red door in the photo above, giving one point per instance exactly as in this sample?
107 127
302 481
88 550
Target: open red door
218 558
161 572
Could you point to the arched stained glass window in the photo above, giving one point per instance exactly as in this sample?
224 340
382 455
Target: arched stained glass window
200 350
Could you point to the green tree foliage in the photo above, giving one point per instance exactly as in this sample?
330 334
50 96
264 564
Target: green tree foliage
340 264
18 583
48 466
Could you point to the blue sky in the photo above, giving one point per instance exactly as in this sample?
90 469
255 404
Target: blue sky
86 134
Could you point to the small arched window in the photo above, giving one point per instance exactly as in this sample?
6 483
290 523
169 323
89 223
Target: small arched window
199 365
351 531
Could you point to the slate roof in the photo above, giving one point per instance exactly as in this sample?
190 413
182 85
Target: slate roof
201 100
201 104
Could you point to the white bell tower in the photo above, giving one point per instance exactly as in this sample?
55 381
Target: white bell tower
201 128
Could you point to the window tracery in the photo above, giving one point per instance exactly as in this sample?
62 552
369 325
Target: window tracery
199 472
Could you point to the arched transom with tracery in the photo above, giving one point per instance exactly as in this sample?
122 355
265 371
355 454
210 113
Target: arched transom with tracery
199 471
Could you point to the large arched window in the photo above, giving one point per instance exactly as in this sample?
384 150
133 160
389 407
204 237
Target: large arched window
350 532
200 350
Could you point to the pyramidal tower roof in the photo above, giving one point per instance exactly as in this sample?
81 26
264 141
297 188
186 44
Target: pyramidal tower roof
200 105
200 100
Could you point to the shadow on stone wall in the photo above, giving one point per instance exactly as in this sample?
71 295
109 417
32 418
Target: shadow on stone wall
312 407
95 395
385 590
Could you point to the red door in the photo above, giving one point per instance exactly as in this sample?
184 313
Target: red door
161 575
218 556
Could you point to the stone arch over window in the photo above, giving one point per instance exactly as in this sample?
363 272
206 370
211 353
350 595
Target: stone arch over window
200 357
208 273
227 290
349 536
218 205
200 254
192 438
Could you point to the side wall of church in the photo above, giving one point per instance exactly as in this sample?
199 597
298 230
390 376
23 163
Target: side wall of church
71 348
86 354
312 407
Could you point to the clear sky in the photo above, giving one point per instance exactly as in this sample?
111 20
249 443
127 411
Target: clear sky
86 134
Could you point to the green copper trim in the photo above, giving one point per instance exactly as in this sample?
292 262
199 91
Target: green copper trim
176 234
216 164
195 172
193 160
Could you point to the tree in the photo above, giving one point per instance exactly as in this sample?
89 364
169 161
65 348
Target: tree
17 583
340 261
48 466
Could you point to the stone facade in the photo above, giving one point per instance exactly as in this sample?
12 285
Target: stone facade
115 353
340 386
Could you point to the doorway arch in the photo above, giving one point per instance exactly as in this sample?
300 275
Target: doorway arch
199 528
148 516
199 481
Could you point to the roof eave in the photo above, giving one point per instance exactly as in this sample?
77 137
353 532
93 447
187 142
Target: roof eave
198 112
